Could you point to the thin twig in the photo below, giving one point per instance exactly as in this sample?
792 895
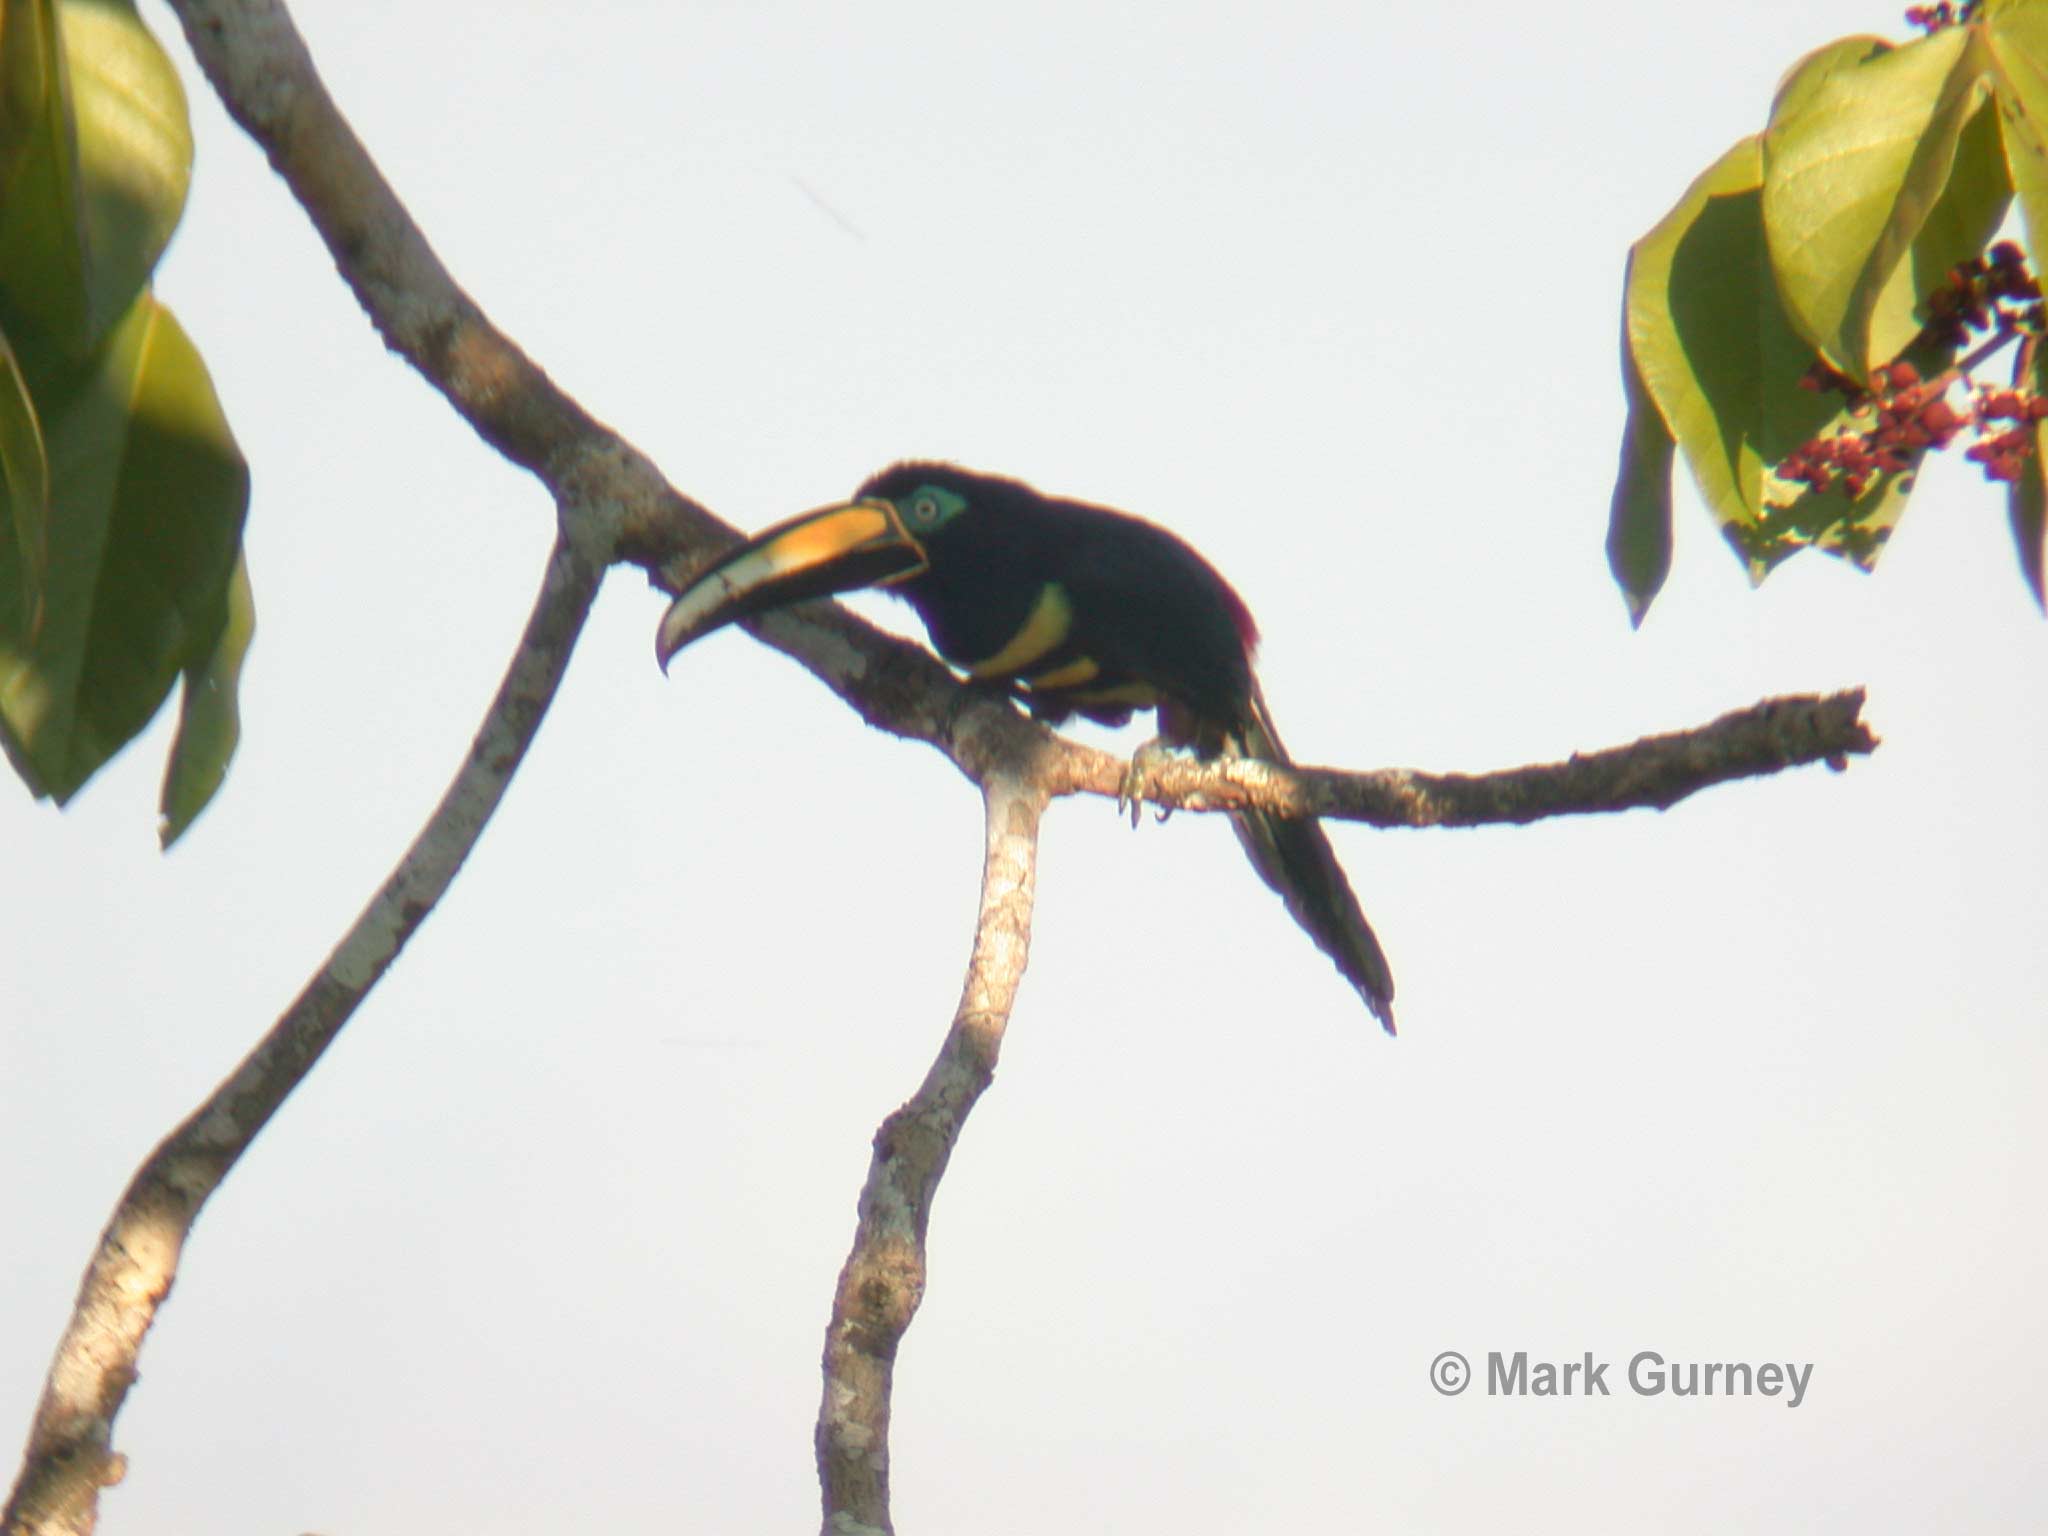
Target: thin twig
70 1454
883 1281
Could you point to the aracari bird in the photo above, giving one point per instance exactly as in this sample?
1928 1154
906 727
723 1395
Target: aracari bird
1073 609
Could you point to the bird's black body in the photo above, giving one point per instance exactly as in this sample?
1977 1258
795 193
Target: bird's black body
1077 609
1152 616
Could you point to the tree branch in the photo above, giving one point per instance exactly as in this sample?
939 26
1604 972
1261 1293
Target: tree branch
1655 772
70 1454
908 692
883 1281
259 66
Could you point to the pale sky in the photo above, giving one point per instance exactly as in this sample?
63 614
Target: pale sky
548 1241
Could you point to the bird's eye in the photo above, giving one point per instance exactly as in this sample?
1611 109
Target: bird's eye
925 509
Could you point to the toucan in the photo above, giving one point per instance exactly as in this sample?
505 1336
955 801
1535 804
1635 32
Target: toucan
1071 609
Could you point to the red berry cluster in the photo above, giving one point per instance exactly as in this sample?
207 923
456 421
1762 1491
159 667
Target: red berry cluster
1982 295
1932 18
1911 416
2002 453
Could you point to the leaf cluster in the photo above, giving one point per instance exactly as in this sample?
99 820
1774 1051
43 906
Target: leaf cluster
122 493
1829 238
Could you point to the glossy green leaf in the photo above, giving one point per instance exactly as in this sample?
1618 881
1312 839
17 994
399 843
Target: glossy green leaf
2016 36
95 162
1856 157
1639 518
210 717
24 483
149 497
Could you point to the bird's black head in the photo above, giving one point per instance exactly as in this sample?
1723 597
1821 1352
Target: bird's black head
935 497
929 496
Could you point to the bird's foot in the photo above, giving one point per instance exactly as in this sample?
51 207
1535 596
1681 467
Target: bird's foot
1137 779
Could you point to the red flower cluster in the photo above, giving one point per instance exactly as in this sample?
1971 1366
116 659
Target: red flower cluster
2003 453
1932 18
1911 417
1985 294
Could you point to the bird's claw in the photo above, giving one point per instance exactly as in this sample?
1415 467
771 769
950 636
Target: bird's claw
1137 781
1130 792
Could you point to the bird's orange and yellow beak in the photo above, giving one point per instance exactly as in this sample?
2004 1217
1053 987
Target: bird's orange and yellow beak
834 549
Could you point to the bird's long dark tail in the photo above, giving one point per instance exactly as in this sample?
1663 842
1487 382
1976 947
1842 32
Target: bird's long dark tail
1296 859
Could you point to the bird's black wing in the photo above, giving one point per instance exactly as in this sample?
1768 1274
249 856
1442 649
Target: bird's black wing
1148 609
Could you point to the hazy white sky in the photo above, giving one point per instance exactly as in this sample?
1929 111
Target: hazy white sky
548 1241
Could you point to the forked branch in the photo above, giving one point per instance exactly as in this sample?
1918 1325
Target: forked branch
1021 767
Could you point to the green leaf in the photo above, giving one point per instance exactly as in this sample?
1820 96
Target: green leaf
210 718
95 163
150 493
2026 499
42 225
1960 226
1693 306
1714 347
2026 505
1639 519
2016 37
1857 154
1798 517
124 491
24 483
1805 78
134 148
1720 357
1802 518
